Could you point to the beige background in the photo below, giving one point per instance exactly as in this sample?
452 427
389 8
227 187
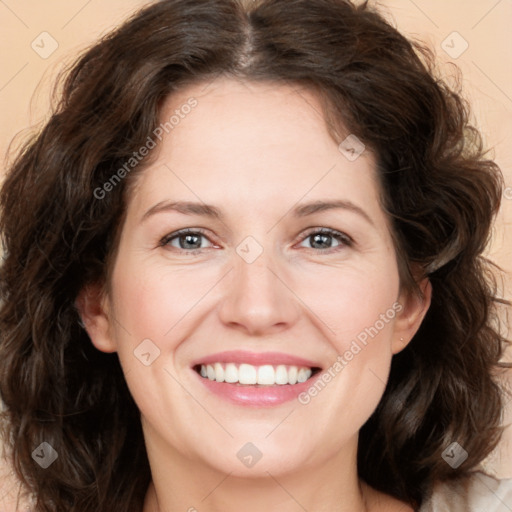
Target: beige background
28 67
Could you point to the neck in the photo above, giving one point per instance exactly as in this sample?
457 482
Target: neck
180 484
254 497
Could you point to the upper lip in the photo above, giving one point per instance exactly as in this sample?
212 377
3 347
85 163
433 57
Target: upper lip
255 358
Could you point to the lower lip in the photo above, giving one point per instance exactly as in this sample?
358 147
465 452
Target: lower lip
257 395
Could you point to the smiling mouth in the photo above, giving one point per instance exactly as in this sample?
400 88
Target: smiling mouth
252 375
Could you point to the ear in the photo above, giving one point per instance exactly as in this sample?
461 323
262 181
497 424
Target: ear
92 306
410 316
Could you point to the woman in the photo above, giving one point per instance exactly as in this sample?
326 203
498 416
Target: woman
243 270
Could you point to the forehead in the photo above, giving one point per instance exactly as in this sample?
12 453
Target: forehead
269 113
252 141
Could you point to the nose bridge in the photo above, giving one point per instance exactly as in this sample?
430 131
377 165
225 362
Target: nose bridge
256 299
253 280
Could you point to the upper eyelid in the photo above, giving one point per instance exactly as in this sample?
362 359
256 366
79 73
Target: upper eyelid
185 231
342 237
325 230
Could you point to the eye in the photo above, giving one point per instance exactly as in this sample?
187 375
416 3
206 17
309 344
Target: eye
186 240
195 240
322 239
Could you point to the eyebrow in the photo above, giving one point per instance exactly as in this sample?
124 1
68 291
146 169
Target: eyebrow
306 209
185 207
207 210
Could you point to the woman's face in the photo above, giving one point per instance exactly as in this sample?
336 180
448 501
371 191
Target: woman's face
288 271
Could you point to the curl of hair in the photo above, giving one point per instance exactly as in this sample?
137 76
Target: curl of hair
440 191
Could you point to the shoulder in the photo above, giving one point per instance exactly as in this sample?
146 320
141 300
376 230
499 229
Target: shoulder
472 494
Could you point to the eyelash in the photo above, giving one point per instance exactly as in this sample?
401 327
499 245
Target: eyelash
345 240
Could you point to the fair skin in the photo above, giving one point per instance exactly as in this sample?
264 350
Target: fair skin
255 152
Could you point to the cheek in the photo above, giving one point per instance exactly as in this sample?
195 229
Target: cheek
361 321
155 309
352 303
152 300
152 307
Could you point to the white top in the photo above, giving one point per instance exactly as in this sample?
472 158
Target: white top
478 493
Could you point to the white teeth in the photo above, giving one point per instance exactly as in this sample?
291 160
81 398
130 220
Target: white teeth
247 374
265 375
219 373
231 373
302 376
281 374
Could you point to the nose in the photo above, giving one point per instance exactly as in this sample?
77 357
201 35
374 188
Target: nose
257 298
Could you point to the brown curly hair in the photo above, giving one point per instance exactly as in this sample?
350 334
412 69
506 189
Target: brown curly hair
440 191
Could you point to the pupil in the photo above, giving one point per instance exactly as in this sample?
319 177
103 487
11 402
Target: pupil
189 240
322 239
